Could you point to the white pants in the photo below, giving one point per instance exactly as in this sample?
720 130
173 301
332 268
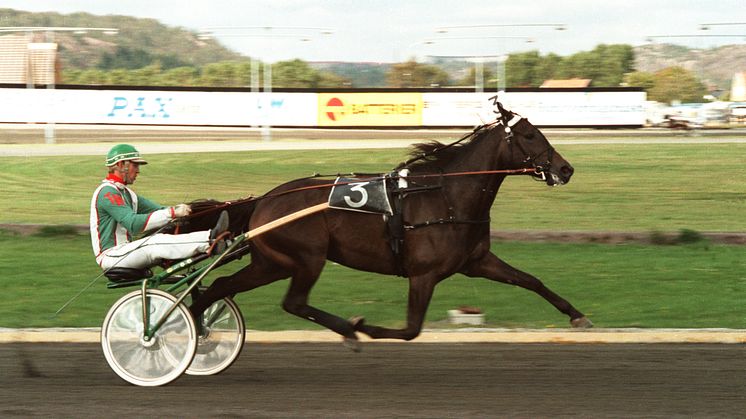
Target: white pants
150 250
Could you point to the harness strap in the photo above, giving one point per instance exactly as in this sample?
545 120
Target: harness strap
440 221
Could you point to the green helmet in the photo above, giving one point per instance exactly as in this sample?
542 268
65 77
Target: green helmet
123 152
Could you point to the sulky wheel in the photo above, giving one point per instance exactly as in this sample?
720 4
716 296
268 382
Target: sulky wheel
220 338
159 360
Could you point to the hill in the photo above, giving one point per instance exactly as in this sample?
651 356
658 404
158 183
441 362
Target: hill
714 66
139 42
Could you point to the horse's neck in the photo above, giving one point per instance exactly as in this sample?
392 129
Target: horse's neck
477 192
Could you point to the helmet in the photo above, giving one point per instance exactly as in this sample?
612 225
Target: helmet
123 152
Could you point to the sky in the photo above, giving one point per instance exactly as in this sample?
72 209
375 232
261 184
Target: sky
396 30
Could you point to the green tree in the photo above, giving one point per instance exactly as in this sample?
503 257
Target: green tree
489 77
605 65
294 73
640 79
676 83
119 77
226 74
180 76
414 74
521 68
146 76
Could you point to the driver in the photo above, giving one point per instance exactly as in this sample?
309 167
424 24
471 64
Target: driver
118 214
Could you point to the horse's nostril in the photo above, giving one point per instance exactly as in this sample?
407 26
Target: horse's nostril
567 171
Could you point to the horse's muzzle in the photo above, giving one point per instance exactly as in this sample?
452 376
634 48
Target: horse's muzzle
559 177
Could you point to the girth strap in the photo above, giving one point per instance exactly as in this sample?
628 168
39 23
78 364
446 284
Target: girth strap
440 221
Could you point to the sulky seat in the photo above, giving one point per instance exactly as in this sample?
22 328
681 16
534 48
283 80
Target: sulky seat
127 274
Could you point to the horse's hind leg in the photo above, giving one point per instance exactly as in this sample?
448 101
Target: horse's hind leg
420 292
492 267
258 273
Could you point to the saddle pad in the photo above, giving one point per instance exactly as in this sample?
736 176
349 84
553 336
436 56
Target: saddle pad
358 194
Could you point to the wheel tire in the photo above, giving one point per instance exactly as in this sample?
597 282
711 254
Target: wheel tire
220 340
158 361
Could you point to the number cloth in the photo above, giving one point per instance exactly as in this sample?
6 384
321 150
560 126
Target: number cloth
357 194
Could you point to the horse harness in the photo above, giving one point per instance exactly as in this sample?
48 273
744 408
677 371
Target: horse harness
386 195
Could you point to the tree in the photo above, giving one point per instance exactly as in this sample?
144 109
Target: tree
520 69
294 73
180 76
605 65
489 77
226 74
669 84
676 83
414 74
640 79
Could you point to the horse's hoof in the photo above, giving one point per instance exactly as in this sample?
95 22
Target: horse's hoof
352 344
581 323
357 322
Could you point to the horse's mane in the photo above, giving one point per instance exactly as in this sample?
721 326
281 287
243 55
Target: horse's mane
434 154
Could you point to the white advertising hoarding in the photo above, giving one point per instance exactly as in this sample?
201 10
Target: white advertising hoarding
291 109
550 108
154 107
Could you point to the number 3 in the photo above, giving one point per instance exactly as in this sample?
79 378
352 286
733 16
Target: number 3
358 187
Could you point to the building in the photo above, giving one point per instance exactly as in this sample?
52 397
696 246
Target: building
566 84
23 61
738 87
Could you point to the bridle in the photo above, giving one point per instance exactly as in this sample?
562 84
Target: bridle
510 119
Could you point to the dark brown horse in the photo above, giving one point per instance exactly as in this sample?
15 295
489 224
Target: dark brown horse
444 228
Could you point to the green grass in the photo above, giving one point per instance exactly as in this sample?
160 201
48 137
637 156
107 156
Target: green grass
686 188
696 285
625 187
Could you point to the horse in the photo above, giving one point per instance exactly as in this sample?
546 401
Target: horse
443 217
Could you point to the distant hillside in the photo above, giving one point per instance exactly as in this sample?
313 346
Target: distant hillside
715 66
142 42
359 74
138 41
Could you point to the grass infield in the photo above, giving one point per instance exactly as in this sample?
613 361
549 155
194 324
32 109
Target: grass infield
626 187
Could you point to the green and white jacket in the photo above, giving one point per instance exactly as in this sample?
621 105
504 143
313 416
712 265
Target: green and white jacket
118 213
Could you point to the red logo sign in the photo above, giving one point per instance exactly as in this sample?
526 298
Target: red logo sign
331 112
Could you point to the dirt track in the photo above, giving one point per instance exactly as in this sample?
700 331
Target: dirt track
392 380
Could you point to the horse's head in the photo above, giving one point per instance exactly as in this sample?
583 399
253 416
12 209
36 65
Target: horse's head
529 148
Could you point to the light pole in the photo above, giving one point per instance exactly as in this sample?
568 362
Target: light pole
262 32
479 63
708 26
49 134
501 60
555 26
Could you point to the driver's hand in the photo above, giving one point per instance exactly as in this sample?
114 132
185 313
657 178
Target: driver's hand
181 210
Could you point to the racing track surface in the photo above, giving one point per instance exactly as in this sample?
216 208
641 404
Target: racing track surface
392 380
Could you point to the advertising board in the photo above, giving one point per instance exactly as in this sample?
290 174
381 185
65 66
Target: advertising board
152 107
550 108
369 109
593 108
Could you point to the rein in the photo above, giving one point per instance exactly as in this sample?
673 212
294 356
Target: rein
527 170
479 172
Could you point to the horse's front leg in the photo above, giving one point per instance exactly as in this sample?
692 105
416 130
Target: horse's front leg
420 292
296 302
492 267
